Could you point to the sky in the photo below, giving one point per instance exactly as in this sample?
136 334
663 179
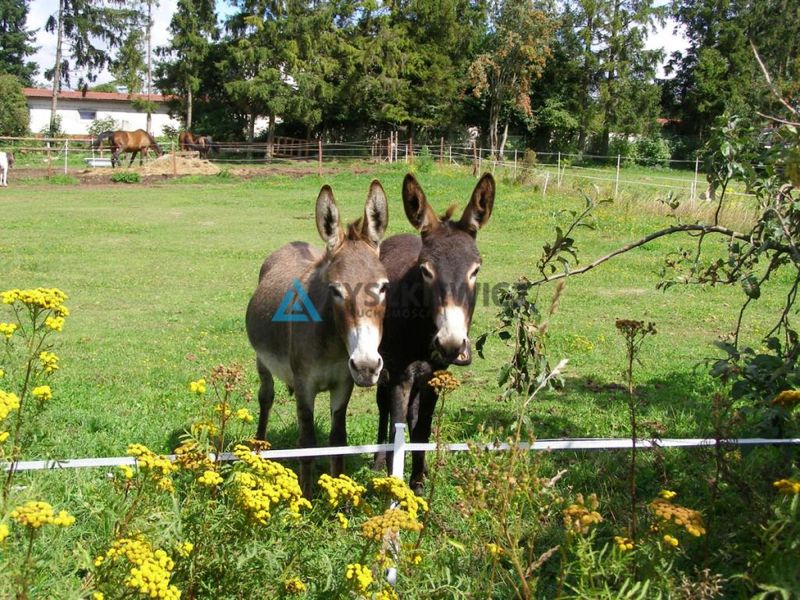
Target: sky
665 37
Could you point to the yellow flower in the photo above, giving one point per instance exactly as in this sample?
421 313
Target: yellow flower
44 298
127 471
294 586
210 479
49 361
668 539
2 373
392 521
224 409
443 381
494 549
341 488
667 494
623 543
43 393
198 387
360 576
396 489
787 486
342 520
244 415
689 519
387 593
185 549
3 436
3 531
786 399
54 323
8 402
98 596
34 514
579 518
8 329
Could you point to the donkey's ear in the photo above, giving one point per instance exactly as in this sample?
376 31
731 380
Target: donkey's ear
376 214
418 211
328 225
479 209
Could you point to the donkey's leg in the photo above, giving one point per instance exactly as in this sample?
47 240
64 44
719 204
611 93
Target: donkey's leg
382 396
421 432
399 393
340 397
266 395
308 437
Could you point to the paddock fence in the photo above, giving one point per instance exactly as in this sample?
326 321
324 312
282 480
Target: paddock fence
39 157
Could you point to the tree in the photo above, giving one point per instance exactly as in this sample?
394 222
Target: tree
193 27
14 115
516 51
16 41
88 27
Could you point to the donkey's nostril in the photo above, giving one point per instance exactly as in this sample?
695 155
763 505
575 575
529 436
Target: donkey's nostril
352 364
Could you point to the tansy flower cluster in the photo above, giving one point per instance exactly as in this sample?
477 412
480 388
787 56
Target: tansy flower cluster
244 415
184 549
34 514
54 323
443 382
191 458
159 467
198 387
494 549
397 490
3 532
205 426
260 485
671 541
580 516
689 519
150 570
387 593
359 576
623 544
390 522
43 393
210 479
341 489
787 486
294 585
39 298
8 402
8 329
49 361
787 399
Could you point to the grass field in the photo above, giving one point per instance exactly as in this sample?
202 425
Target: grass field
159 276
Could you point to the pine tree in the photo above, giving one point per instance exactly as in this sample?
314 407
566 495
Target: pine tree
16 41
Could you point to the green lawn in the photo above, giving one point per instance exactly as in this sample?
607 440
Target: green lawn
159 277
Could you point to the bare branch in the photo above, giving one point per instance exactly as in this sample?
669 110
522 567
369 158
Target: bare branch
771 85
778 119
649 238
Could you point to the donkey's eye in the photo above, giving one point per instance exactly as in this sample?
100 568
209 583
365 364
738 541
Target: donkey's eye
475 272
336 292
427 272
383 288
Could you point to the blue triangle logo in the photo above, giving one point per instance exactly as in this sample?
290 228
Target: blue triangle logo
296 306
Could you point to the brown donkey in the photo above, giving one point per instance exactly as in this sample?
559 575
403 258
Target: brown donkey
333 342
432 292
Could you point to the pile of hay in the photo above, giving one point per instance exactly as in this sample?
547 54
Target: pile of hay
183 166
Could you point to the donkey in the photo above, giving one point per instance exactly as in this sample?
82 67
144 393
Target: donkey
6 162
432 292
334 342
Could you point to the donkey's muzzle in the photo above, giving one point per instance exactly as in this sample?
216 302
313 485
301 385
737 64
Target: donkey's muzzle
366 372
458 355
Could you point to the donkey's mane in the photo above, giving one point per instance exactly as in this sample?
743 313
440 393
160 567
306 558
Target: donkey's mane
355 231
448 214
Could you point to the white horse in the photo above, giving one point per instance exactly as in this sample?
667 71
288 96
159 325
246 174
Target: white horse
6 162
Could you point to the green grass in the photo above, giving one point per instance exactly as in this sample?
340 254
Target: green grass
159 278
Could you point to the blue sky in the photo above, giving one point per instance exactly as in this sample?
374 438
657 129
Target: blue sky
40 10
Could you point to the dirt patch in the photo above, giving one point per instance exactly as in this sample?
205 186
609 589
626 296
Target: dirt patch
169 165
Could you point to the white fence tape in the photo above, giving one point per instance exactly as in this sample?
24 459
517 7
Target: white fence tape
400 447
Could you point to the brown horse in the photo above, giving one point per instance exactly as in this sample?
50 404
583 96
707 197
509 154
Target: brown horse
188 141
138 141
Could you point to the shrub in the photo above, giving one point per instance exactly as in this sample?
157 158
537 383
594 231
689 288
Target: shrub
126 177
623 147
653 151
424 160
14 115
98 126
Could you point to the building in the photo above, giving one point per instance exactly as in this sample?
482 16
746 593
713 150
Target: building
78 109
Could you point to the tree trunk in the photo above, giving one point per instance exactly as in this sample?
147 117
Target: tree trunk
503 141
57 67
270 135
188 107
494 118
149 127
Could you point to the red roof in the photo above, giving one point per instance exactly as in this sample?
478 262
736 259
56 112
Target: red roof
108 96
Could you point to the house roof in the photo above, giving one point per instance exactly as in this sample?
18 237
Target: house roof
107 96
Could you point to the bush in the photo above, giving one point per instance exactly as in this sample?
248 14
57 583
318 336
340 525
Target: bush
624 148
98 126
126 177
653 151
14 115
424 160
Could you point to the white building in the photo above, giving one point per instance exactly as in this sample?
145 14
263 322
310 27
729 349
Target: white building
78 109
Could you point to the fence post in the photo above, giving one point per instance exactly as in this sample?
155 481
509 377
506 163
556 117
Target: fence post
558 171
480 161
398 465
515 164
616 183
174 159
449 155
66 155
694 183
49 159
441 151
544 188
